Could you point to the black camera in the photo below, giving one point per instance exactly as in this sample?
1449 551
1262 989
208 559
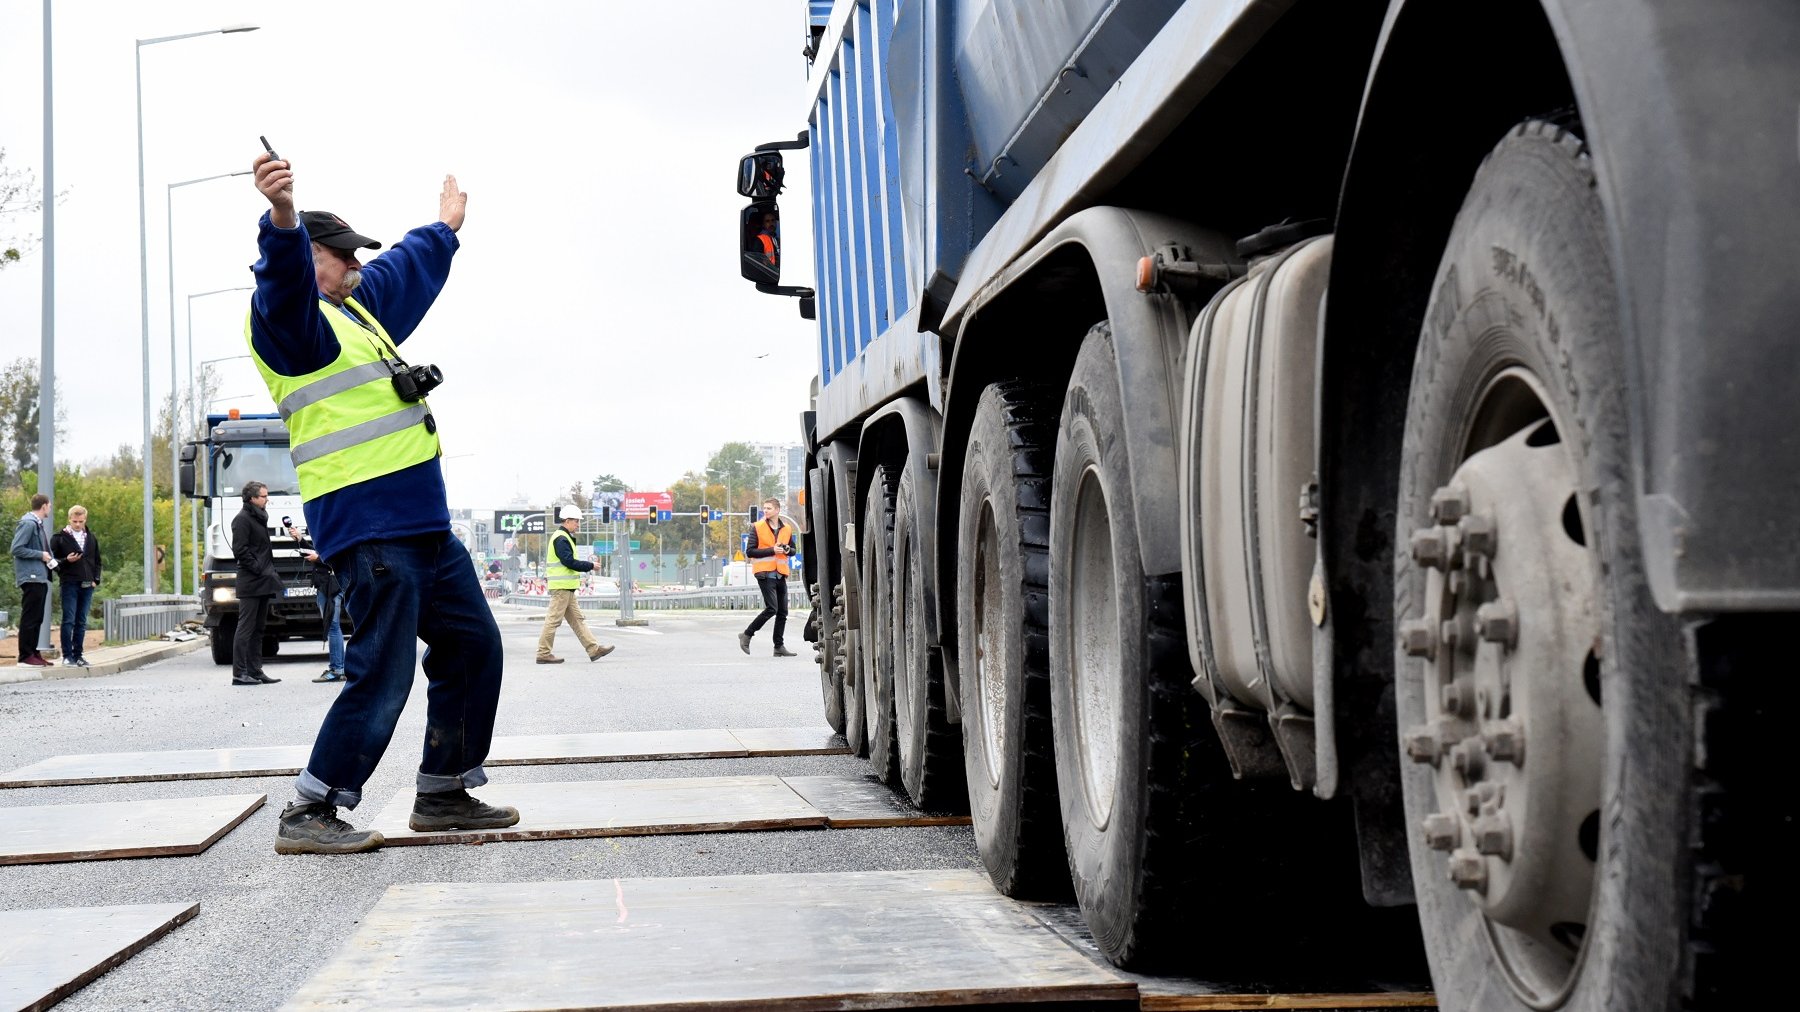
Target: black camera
412 383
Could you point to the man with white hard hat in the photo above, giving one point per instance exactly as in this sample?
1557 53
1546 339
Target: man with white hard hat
563 572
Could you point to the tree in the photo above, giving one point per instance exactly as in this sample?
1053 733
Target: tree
19 195
19 423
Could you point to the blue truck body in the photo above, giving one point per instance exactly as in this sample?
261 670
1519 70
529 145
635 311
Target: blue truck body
1011 198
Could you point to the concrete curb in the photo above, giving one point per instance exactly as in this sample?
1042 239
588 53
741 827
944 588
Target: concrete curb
116 660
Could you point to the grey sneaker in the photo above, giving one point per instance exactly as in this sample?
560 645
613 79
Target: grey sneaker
314 828
785 652
744 642
458 810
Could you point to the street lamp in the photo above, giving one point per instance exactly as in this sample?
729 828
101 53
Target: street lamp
194 504
730 507
144 284
174 404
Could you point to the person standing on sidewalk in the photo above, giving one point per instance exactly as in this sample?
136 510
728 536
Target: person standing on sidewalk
563 571
365 448
774 545
331 603
32 564
257 585
77 552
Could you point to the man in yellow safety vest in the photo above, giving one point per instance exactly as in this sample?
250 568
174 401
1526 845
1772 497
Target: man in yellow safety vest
563 572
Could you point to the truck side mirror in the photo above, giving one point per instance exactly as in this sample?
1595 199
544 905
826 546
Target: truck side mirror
759 229
760 175
188 453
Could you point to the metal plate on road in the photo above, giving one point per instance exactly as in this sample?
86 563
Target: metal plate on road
807 941
47 955
41 834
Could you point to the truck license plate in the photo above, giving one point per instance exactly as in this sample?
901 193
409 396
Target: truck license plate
300 592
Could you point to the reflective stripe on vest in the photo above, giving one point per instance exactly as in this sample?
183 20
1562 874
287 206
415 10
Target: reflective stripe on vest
561 577
766 539
345 422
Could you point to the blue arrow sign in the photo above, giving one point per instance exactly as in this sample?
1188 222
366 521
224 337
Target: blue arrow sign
662 515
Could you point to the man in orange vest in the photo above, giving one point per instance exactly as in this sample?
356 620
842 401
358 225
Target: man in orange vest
774 544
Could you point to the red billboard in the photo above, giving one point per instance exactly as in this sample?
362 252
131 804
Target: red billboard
639 505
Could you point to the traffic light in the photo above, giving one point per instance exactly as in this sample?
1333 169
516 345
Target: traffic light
705 513
653 518
755 513
606 514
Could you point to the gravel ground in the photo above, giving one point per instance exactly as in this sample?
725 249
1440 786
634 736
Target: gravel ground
268 922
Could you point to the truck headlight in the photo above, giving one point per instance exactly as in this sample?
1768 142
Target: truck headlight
223 595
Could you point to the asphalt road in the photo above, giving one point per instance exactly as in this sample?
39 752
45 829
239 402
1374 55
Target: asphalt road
267 922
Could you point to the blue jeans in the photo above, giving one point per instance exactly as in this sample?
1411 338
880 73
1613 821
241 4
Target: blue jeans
332 612
75 602
397 592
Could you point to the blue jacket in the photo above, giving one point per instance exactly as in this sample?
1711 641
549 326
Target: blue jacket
289 331
31 539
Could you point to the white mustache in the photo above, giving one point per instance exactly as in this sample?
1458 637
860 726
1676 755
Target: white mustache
351 280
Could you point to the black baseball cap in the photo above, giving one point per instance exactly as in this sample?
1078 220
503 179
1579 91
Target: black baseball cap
328 229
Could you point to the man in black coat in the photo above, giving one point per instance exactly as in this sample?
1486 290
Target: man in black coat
257 585
78 551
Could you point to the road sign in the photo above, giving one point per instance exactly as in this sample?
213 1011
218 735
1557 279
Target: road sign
519 521
664 515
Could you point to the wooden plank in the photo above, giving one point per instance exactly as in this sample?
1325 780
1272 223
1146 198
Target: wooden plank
39 834
796 942
47 955
512 750
146 767
863 802
1356 1002
614 746
558 811
774 741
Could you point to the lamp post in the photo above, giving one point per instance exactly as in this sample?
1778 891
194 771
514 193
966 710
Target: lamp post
174 403
730 506
194 540
144 285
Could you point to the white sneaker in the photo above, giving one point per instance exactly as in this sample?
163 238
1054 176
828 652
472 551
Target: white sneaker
70 664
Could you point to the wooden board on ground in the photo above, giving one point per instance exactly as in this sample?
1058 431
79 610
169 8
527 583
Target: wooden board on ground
796 941
168 827
1323 992
512 750
614 746
143 767
863 802
773 741
557 811
47 955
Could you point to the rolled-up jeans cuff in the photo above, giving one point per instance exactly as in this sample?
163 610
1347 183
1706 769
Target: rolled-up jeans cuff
313 789
432 783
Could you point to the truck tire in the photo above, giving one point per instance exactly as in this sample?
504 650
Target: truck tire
1121 702
824 650
929 747
1549 764
877 558
846 670
1002 592
221 636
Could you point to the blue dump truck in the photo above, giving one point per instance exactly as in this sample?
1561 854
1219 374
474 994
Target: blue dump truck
1311 476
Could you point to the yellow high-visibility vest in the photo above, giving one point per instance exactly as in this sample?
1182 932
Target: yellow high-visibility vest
345 422
561 577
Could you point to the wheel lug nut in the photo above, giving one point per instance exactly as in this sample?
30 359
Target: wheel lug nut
1483 798
1468 870
1442 832
1469 758
1506 743
1449 504
1479 535
1424 744
1493 836
1417 638
1431 548
1456 699
1456 632
1498 622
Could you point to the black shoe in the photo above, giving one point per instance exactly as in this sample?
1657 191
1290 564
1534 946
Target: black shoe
744 642
265 679
785 652
252 680
314 828
457 810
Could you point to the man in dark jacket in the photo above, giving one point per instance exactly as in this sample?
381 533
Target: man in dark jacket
78 551
257 585
330 597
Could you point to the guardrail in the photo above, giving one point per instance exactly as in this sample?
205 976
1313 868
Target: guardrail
721 598
133 617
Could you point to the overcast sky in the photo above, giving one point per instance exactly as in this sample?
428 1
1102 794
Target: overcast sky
594 320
